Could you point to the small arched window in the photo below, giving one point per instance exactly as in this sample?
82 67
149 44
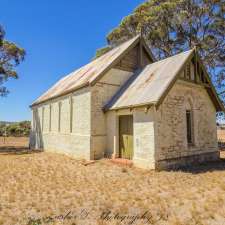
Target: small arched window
189 124
189 121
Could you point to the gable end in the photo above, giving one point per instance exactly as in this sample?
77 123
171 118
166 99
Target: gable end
136 56
194 71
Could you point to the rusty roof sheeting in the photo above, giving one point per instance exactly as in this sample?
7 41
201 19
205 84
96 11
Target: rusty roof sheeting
86 74
149 85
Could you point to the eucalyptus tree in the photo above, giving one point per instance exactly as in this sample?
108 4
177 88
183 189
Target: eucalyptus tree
172 26
10 56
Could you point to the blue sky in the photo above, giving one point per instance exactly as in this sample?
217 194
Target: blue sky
58 36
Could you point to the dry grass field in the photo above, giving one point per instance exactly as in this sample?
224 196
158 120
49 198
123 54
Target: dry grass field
45 188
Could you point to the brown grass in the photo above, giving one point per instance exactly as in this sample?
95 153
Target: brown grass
41 185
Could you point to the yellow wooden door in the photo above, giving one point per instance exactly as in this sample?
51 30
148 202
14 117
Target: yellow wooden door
126 136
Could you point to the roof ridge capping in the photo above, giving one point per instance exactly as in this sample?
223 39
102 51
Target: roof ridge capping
176 55
118 46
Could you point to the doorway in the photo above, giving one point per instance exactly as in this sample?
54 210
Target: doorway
126 136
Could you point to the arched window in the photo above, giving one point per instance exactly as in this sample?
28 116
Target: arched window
189 123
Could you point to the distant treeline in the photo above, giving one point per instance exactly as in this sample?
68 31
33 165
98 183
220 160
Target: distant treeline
17 129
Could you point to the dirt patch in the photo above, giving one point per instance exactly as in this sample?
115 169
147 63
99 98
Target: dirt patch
14 145
14 142
47 188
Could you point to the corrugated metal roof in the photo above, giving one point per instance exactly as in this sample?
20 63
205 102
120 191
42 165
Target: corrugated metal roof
148 86
86 74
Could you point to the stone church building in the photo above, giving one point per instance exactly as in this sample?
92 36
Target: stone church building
125 104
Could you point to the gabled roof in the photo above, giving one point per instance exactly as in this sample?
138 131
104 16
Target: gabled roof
91 72
150 86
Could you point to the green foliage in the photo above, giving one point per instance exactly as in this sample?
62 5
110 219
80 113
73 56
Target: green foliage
15 129
172 26
10 56
102 51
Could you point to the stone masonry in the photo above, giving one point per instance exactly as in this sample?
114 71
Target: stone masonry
171 142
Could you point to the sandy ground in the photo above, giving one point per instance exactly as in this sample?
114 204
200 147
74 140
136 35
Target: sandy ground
46 188
14 142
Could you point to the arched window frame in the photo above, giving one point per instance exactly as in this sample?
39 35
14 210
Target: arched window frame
189 121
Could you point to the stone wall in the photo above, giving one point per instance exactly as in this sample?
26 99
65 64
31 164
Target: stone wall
191 160
60 131
112 126
171 131
55 117
144 138
80 129
143 135
101 93
75 124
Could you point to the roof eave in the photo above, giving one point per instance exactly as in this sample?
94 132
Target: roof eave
130 106
60 95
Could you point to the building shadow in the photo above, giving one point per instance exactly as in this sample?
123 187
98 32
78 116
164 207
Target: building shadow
218 165
36 138
17 150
